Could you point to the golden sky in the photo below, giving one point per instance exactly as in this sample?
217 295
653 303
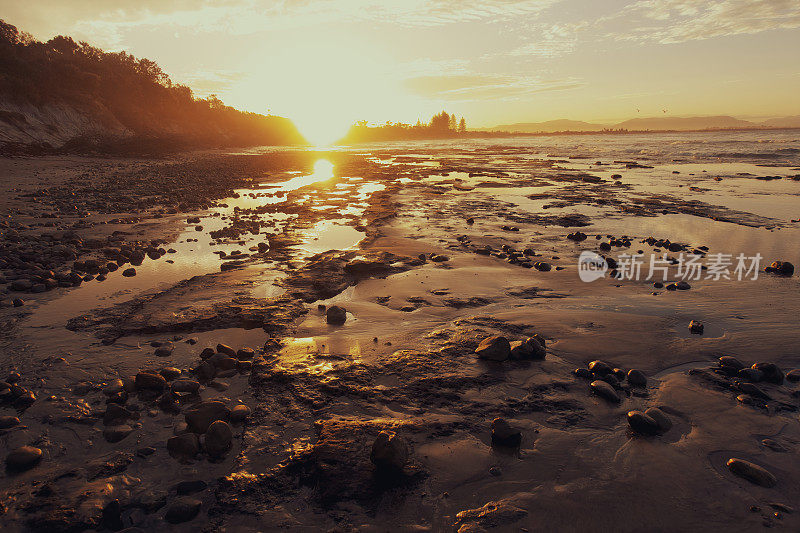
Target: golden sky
328 63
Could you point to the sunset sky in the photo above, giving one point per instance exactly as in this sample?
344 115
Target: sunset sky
328 63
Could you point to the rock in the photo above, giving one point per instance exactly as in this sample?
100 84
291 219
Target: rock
116 433
165 350
504 435
185 386
782 268
389 452
751 472
642 423
185 488
604 390
683 286
200 416
183 446
129 272
772 373
583 373
752 390
530 348
205 371
218 438
239 413
170 373
223 362
750 374
23 458
661 418
182 510
495 348
8 422
730 362
150 381
17 302
115 414
245 354
696 327
637 378
115 387
600 368
206 353
225 349
336 315
793 375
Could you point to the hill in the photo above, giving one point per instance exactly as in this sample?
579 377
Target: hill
70 96
548 126
684 123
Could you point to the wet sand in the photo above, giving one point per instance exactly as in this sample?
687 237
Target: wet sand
250 250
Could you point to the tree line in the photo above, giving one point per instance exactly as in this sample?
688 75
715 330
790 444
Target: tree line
442 125
117 86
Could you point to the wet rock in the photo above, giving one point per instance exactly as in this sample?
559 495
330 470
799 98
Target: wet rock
729 361
752 390
750 374
165 350
116 433
751 472
200 416
600 368
696 327
584 373
661 418
150 381
504 435
114 387
239 413
782 268
129 272
183 446
184 488
642 423
218 438
206 353
336 315
772 373
7 422
245 354
115 414
495 348
637 378
683 286
530 348
793 375
17 302
389 452
185 386
205 371
225 349
23 458
604 390
182 510
170 373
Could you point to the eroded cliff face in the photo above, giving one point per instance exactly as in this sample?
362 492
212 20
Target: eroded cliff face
54 125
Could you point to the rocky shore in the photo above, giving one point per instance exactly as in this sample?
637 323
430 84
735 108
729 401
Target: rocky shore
392 340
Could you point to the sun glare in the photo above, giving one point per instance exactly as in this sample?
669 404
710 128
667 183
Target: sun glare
324 85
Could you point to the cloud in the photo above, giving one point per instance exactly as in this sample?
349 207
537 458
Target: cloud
677 21
477 87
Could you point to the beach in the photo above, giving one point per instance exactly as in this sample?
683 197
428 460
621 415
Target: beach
427 251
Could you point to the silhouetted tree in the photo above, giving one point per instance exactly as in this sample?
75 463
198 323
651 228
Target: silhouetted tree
462 126
136 92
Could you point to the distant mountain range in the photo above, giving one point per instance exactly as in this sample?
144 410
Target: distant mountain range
651 123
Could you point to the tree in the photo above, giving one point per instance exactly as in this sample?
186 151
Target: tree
462 126
440 122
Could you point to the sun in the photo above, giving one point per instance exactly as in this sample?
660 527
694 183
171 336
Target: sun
324 84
